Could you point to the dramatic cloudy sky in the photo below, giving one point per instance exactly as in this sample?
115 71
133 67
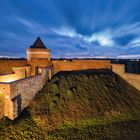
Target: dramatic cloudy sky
71 28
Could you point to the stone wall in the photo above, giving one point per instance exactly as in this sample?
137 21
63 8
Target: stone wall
7 64
1 105
133 79
18 94
38 63
10 77
18 73
24 71
38 53
5 92
8 107
26 88
65 65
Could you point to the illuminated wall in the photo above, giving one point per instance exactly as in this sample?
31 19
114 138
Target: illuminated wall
18 73
36 63
65 65
38 53
133 79
38 57
6 65
2 95
5 92
18 94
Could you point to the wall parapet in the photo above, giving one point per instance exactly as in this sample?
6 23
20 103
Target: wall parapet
18 73
6 65
64 65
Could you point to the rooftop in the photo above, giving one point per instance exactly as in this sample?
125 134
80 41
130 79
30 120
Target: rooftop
38 44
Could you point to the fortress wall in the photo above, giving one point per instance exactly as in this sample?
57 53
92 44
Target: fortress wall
133 79
8 107
6 65
65 65
23 72
18 73
5 88
4 93
37 63
10 77
38 53
18 94
1 105
24 90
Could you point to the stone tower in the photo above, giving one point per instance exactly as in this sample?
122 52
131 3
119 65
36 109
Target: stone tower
38 56
38 50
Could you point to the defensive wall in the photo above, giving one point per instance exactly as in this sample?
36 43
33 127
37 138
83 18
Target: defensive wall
133 79
18 94
1 105
7 64
18 73
35 63
38 53
19 87
66 65
22 79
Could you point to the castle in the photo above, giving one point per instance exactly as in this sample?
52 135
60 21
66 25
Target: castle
20 80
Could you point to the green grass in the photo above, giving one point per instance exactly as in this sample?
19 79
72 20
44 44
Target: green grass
79 105
101 130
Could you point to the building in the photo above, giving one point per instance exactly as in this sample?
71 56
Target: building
19 86
38 56
20 80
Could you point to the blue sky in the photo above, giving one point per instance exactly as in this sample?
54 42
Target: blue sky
71 28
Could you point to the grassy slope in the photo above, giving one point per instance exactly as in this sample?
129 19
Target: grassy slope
80 105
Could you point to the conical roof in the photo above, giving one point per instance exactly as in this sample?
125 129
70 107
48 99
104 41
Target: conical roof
38 44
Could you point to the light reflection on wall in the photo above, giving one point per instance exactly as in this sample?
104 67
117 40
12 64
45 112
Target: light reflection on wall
18 73
8 78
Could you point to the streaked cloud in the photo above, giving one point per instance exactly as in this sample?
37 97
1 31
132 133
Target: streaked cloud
126 29
66 31
103 38
135 56
134 43
84 28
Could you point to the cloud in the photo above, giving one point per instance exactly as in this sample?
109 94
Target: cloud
128 38
76 54
32 26
134 43
104 38
126 29
135 56
25 22
63 31
100 28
